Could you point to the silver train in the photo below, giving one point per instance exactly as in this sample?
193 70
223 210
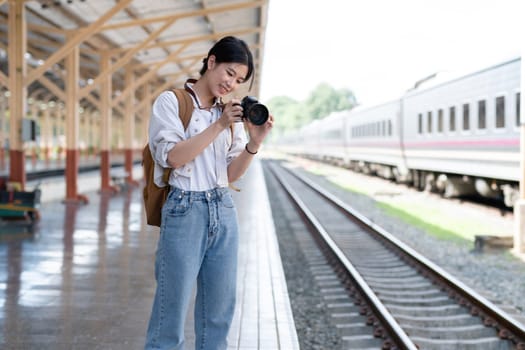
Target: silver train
458 137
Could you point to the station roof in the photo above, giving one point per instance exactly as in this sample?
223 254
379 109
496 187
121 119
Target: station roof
163 41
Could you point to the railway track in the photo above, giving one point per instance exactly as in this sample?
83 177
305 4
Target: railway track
380 292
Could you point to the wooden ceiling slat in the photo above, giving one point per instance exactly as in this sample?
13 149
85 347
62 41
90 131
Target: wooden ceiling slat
47 29
149 74
77 38
125 59
192 39
51 86
194 13
112 35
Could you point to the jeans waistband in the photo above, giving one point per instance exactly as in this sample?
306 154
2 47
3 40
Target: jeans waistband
215 193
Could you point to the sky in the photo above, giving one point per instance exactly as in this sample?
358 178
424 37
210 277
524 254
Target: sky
379 48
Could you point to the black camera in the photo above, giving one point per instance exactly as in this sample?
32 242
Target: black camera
256 112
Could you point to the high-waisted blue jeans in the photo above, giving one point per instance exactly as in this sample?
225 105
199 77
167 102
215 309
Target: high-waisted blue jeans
198 242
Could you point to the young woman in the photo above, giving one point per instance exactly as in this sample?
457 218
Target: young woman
199 233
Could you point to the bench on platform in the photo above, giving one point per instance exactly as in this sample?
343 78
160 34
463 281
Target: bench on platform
119 178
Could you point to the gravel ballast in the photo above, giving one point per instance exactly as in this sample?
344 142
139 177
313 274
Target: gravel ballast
496 273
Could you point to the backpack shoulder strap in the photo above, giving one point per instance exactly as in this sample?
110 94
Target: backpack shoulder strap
185 106
185 112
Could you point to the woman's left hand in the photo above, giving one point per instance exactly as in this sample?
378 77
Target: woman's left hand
259 132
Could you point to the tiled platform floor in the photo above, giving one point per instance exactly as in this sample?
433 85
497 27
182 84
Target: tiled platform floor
83 277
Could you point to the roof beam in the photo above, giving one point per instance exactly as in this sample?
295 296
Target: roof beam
51 86
159 89
47 29
79 36
192 39
194 13
126 58
94 101
4 80
151 72
191 57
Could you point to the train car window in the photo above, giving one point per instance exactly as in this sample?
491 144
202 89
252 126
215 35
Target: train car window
482 115
440 120
500 112
518 99
389 128
466 117
429 122
383 128
452 119
420 123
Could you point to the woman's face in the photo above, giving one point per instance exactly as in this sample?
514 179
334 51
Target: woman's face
225 77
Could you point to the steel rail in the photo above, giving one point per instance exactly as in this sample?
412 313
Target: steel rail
395 331
508 327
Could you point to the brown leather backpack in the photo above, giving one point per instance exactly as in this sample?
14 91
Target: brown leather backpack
154 196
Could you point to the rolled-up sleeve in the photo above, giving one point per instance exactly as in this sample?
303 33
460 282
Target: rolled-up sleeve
165 131
237 144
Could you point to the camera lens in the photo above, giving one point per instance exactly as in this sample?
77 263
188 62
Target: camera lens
257 114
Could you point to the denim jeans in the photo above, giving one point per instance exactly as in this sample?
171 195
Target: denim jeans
198 242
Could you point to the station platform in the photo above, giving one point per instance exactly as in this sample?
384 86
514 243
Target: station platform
83 276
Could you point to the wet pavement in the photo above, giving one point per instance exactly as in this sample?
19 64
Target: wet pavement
83 276
79 278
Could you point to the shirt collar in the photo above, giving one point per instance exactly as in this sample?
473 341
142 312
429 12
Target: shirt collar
188 86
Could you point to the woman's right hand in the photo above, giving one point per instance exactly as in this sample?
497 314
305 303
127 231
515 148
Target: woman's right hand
231 113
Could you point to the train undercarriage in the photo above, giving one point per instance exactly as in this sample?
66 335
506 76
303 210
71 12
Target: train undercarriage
448 185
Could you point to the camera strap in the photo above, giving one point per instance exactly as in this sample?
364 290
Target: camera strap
192 93
188 88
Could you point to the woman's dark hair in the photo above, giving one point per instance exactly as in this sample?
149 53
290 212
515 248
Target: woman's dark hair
230 49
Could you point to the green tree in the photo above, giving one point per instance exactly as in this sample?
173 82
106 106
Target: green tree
325 100
291 114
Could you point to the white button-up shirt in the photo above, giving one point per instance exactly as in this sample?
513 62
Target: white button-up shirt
209 169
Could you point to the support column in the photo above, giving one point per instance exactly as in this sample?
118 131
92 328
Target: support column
61 133
90 134
46 133
106 112
3 124
129 128
72 128
83 131
35 106
18 93
146 112
96 134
